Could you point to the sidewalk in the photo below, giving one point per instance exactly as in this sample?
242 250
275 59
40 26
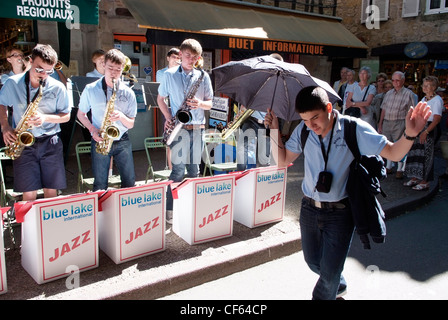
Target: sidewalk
183 266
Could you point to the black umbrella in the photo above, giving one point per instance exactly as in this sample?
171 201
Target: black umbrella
264 82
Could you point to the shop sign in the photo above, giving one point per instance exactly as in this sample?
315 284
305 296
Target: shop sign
276 46
69 11
416 50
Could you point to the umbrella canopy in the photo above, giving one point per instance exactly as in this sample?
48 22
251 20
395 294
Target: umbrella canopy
264 82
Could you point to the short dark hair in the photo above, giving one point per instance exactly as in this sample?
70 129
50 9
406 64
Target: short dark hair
172 51
311 99
46 53
115 56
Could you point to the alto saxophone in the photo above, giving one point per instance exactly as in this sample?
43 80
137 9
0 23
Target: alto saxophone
108 131
24 137
183 115
241 116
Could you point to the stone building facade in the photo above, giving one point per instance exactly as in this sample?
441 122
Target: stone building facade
411 36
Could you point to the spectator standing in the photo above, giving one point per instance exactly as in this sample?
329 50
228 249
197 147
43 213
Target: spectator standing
360 96
382 86
392 123
420 160
345 89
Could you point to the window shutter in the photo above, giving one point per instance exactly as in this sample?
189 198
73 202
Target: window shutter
364 5
383 6
410 8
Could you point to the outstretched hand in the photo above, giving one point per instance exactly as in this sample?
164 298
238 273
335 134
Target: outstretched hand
417 118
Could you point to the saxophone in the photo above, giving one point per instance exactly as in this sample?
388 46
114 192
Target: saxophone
183 115
24 137
108 131
241 116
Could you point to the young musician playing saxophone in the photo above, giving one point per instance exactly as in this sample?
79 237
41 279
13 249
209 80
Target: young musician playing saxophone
96 97
186 150
41 164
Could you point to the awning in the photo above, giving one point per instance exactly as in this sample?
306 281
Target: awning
235 25
435 50
73 11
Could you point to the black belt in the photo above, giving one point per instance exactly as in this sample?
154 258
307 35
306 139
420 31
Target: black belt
342 204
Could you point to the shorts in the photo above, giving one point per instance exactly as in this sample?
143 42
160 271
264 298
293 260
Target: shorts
40 166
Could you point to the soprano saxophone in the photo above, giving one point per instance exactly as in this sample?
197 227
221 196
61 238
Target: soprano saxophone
108 131
24 137
183 115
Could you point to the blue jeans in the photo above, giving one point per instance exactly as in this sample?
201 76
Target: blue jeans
326 239
186 152
121 150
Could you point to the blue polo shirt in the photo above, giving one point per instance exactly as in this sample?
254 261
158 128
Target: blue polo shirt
54 101
340 157
94 99
176 84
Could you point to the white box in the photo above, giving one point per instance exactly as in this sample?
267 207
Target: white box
132 222
203 208
260 196
3 283
58 233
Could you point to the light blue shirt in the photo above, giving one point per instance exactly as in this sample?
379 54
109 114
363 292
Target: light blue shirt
176 84
93 99
259 115
160 74
6 76
94 74
54 101
340 157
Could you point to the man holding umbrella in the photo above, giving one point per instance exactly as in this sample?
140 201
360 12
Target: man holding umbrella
325 218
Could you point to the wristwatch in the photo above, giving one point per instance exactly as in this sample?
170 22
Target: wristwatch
408 137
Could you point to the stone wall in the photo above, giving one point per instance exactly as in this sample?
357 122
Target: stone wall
423 28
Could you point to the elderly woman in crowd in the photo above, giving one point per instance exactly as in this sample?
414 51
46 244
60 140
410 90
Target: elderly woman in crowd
419 164
360 97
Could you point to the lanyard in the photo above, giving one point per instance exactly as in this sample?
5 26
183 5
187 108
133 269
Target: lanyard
326 154
27 84
104 85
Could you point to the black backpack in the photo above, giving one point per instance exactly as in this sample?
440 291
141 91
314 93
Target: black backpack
363 185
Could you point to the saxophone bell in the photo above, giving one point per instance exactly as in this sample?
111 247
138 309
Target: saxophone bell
112 132
26 138
184 116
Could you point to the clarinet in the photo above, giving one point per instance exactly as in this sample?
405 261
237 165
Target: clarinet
183 115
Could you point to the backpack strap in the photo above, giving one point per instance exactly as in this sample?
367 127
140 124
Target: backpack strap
303 137
350 137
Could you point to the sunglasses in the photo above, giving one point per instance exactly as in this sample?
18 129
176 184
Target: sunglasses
40 70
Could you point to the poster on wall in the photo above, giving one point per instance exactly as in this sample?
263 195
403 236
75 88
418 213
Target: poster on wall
219 113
